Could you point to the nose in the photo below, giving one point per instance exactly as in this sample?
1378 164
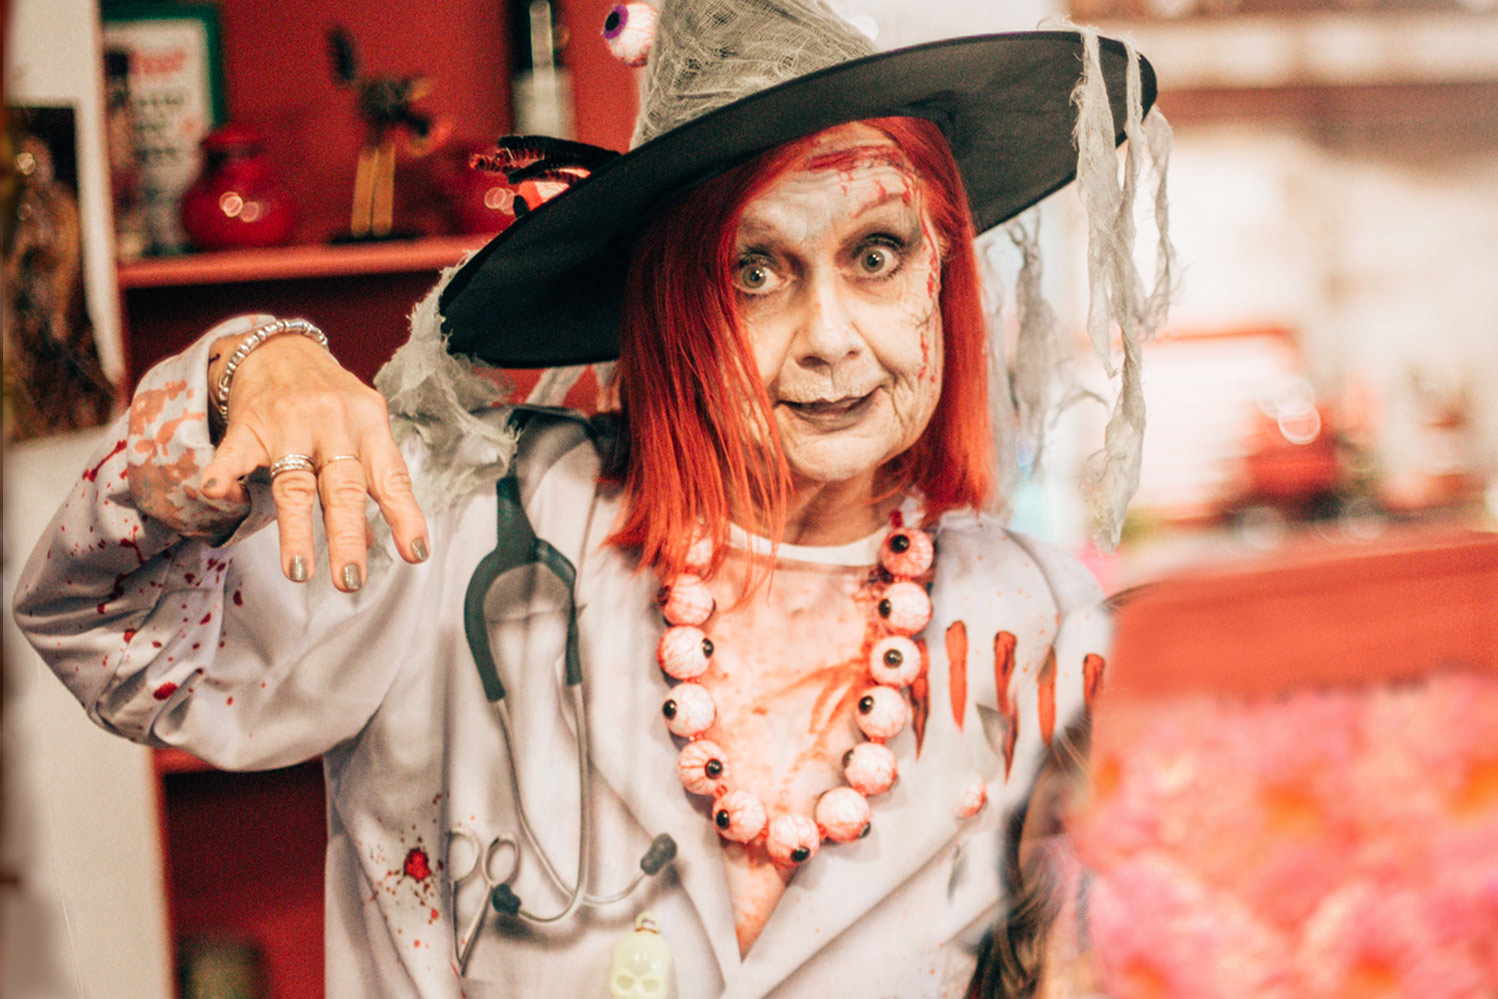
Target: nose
826 333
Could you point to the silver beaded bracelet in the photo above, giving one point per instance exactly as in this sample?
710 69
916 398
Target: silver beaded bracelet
255 338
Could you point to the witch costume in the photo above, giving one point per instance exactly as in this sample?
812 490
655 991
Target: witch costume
450 820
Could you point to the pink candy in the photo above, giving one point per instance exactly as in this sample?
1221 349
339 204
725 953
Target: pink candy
842 815
689 710
683 652
739 816
904 607
895 661
882 712
793 839
686 600
702 767
870 768
974 796
906 552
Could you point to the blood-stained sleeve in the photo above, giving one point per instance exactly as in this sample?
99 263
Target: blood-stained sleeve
167 445
167 616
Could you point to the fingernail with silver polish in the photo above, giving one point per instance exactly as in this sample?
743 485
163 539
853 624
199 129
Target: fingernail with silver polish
298 569
351 580
419 549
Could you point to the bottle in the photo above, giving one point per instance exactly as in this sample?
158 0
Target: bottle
542 87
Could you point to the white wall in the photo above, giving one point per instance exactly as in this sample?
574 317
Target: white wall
89 918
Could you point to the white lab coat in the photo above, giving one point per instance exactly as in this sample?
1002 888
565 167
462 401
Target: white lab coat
168 640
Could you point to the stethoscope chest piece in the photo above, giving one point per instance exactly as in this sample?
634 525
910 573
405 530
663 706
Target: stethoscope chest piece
641 968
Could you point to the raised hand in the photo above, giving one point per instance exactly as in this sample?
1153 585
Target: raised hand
290 397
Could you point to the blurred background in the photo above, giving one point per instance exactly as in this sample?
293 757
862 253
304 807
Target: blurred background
1328 374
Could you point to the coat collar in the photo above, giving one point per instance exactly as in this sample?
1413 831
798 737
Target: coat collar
635 754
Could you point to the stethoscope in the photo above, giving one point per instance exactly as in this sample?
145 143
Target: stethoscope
497 864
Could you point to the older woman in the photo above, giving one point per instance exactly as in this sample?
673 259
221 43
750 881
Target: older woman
790 641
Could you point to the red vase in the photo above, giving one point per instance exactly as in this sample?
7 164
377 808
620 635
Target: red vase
237 200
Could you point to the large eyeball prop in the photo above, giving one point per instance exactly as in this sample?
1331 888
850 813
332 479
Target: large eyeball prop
629 29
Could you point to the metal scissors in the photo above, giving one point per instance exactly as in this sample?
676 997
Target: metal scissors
482 867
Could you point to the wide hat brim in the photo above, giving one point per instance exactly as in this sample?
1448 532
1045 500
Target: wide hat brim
547 291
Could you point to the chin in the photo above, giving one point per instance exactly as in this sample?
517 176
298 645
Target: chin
832 469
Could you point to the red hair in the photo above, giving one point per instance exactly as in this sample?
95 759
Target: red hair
699 439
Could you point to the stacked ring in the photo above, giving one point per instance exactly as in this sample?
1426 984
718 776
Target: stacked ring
292 463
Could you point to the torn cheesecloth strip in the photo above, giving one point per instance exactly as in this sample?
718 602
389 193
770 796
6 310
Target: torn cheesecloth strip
1116 293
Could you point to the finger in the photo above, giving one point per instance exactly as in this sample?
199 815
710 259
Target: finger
390 485
238 454
343 491
295 493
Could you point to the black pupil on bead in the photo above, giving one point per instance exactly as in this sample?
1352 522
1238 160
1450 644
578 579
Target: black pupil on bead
707 648
885 607
611 23
893 657
866 704
899 543
800 853
723 818
669 708
865 831
847 757
713 767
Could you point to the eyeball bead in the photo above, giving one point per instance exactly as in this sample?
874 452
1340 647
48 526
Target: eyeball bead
739 816
895 661
702 767
974 796
792 840
906 552
842 815
689 710
904 607
700 553
686 600
882 712
870 768
629 30
683 652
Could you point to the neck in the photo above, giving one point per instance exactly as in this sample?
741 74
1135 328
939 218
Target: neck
835 513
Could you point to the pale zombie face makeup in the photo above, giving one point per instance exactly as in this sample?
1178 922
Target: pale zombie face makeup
838 276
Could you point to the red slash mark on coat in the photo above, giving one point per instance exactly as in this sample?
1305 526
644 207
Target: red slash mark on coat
957 669
1092 677
1003 672
920 699
1045 697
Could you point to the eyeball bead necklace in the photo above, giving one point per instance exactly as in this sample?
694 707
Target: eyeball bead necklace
842 814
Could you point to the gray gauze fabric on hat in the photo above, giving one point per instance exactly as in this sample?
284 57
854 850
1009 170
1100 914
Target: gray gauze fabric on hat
710 53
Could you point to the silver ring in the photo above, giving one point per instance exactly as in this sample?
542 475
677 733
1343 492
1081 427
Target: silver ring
292 463
337 457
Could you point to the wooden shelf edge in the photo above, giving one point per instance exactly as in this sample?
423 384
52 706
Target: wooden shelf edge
1332 49
170 760
298 262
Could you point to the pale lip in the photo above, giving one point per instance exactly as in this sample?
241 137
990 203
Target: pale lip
831 415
